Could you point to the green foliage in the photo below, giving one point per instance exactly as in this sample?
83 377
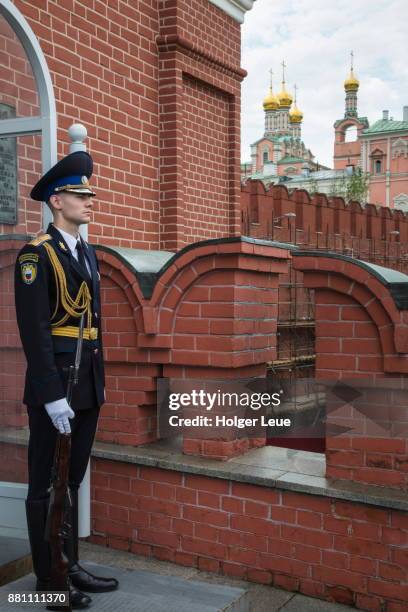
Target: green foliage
353 187
357 186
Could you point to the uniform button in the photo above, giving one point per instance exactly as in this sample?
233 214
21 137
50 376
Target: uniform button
96 351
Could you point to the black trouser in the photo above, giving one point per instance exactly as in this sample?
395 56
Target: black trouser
41 448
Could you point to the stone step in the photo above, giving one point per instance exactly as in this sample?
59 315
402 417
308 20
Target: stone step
15 558
143 591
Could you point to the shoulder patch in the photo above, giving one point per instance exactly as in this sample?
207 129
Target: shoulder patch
28 257
28 272
40 239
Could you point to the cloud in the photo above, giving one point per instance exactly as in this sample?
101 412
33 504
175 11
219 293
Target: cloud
315 38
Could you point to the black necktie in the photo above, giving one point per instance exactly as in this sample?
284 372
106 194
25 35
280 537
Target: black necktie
81 258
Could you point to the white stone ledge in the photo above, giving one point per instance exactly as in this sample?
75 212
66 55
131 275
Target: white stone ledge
234 8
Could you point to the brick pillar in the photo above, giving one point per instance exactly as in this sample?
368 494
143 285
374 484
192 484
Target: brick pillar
199 123
362 333
234 337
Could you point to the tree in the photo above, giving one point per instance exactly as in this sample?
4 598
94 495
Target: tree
357 186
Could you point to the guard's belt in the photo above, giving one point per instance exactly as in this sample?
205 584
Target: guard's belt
71 331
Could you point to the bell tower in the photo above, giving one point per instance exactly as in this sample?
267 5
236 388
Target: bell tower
347 151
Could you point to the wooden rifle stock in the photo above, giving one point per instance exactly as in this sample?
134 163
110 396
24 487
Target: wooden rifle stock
57 527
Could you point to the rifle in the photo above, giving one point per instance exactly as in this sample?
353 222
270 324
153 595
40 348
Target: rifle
57 527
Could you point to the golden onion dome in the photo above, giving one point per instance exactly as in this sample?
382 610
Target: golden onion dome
351 83
270 102
295 114
284 97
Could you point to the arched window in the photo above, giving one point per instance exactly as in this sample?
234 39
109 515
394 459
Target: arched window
377 166
350 134
28 141
265 156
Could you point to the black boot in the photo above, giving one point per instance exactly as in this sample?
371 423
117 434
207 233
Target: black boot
80 577
77 599
36 512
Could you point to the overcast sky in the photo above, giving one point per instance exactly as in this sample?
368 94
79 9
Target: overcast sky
315 38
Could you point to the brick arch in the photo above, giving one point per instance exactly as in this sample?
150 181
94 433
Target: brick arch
280 191
181 273
181 319
349 277
344 125
370 344
118 288
121 315
301 196
192 273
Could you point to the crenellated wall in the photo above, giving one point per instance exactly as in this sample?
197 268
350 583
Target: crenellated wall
324 222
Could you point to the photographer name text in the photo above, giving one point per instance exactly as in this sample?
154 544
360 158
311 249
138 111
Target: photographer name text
224 421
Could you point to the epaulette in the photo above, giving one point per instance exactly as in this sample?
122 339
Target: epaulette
40 239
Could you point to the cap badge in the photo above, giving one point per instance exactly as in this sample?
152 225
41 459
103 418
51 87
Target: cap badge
84 180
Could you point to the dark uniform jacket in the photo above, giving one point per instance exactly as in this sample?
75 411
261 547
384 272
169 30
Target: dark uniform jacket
38 302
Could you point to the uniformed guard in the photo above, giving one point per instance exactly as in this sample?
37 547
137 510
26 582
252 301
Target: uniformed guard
56 281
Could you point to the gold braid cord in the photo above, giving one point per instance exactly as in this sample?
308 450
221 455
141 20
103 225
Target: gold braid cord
73 308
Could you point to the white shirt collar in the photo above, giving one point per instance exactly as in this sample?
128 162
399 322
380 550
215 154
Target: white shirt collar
69 239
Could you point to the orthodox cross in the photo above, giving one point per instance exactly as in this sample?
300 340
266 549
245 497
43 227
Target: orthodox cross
283 71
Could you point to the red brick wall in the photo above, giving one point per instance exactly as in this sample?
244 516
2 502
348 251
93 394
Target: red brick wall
347 339
13 463
110 72
205 161
205 25
13 414
328 548
191 61
103 67
17 84
373 460
12 360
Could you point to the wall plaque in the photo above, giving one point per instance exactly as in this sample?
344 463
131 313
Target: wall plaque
8 171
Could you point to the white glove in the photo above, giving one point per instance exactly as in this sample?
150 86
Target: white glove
59 413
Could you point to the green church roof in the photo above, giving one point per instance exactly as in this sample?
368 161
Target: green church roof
386 125
290 160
